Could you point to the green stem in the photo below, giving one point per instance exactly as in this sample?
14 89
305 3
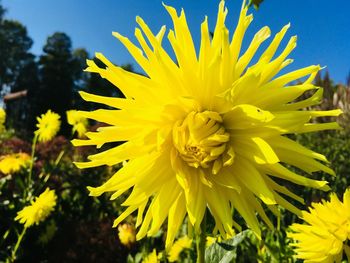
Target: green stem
29 182
347 251
47 177
19 240
35 139
200 242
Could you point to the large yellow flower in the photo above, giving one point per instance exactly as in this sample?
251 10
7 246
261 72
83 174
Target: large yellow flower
322 239
39 210
206 130
48 125
13 162
78 122
2 119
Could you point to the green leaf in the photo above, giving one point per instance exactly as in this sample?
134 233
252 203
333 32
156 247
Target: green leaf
224 252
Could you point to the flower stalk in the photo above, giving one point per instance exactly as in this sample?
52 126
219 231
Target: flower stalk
14 251
200 241
29 180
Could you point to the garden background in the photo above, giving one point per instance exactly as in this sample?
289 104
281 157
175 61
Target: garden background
79 229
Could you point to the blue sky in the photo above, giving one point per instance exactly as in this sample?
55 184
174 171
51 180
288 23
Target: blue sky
322 26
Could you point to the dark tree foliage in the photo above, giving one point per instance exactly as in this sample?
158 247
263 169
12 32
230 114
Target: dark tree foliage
81 78
329 87
52 81
2 11
255 3
28 77
56 76
14 51
18 70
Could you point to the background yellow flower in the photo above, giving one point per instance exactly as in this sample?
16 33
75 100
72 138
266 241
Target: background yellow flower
151 257
2 119
127 235
48 125
179 245
323 238
39 209
13 162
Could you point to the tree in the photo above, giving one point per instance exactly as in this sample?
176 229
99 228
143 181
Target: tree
2 11
14 51
57 76
328 89
81 78
255 3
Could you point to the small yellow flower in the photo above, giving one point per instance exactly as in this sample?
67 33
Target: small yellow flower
323 238
13 162
178 247
39 209
78 122
127 235
48 125
151 258
210 241
2 119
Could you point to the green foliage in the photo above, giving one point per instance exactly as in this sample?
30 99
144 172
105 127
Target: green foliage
2 11
226 251
14 51
56 74
335 145
77 219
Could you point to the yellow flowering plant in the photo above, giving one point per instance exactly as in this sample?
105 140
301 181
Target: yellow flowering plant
152 257
326 233
179 246
40 207
126 234
2 119
13 163
48 125
38 210
212 127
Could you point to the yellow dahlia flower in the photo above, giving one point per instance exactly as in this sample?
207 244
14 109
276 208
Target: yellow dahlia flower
151 257
327 230
13 162
2 119
48 125
127 235
178 247
39 209
78 122
207 130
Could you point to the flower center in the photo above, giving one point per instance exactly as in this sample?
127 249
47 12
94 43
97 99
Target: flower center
202 141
